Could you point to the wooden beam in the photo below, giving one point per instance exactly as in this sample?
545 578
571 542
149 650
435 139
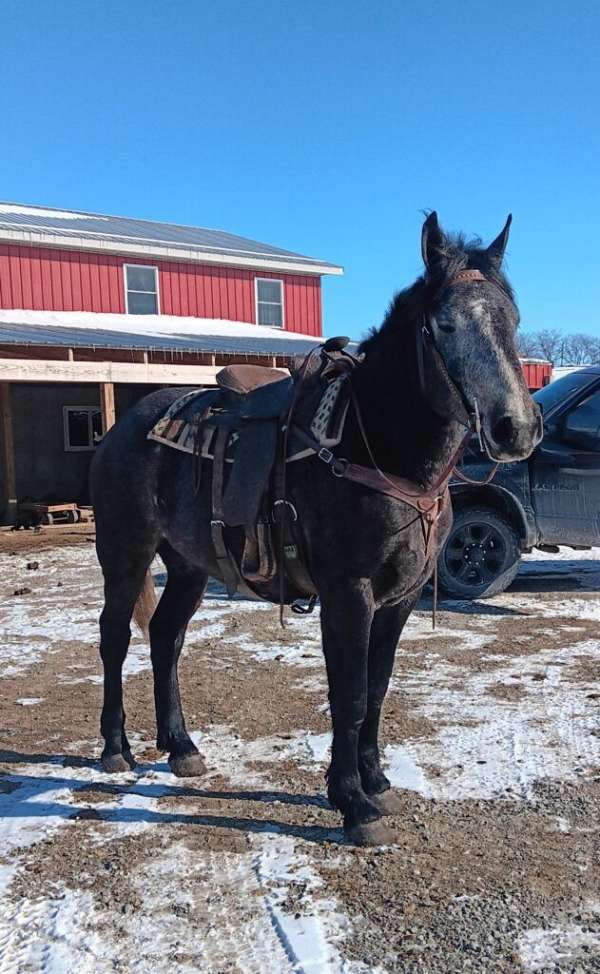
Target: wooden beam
161 374
107 405
9 483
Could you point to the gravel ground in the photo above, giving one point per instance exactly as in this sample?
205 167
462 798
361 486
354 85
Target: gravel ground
491 735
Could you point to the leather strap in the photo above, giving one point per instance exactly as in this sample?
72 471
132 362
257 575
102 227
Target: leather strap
405 489
468 276
291 548
217 524
425 340
426 503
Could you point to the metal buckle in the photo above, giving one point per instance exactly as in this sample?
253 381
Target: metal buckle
325 455
339 467
289 504
213 524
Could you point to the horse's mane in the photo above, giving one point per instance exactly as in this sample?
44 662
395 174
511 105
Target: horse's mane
457 254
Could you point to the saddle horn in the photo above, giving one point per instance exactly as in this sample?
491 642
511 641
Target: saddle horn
335 344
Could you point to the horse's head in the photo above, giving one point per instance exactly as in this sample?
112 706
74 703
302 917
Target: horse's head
471 319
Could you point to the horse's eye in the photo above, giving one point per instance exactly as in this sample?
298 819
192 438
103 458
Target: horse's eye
449 329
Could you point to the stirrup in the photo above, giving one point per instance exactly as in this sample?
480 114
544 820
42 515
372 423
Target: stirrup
301 609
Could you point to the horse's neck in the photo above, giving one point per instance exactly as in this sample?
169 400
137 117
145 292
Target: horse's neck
405 436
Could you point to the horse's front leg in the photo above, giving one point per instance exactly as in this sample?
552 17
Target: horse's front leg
386 628
346 616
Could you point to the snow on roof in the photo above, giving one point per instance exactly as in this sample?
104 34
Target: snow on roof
102 330
117 234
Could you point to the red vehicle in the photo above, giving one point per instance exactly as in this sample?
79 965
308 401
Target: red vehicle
538 372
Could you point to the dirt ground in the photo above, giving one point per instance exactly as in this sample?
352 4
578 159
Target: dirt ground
491 735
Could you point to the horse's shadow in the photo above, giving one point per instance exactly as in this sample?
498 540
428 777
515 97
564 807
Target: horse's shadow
24 794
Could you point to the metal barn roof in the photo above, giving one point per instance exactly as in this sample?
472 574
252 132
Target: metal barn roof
87 329
44 225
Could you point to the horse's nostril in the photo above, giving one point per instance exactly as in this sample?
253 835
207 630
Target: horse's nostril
504 431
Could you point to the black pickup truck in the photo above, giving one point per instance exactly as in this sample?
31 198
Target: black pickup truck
551 499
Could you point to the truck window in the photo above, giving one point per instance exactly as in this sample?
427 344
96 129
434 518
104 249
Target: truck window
582 425
556 392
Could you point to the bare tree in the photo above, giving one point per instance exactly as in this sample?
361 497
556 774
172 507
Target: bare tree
590 349
560 349
528 345
578 352
552 345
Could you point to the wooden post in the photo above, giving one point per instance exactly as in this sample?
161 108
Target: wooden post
107 405
9 500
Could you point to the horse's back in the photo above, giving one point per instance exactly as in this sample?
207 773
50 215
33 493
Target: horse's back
126 467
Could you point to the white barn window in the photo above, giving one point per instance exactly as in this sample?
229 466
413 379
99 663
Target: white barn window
141 289
82 427
269 302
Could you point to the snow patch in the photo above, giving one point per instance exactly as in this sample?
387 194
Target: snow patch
403 770
539 948
48 214
150 325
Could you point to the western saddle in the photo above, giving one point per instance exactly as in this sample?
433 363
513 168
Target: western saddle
240 428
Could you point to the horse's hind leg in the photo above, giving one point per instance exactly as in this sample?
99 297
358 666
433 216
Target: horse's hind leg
123 582
182 595
386 628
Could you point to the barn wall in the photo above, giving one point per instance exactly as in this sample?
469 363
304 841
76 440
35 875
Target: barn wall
45 471
41 278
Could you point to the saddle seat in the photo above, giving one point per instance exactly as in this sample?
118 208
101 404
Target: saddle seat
255 391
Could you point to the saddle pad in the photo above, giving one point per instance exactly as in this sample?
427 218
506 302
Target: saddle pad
177 428
329 418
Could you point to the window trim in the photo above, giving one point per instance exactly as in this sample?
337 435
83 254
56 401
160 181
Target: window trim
81 409
270 280
147 267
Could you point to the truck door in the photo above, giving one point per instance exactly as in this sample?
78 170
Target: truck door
565 477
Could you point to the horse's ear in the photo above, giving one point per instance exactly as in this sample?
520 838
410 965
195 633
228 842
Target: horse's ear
497 247
433 241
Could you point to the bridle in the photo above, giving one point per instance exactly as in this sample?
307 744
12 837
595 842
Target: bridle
463 411
429 503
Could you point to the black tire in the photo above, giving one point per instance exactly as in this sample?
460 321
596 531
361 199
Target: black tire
481 556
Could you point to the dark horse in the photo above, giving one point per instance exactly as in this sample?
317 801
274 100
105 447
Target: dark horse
365 550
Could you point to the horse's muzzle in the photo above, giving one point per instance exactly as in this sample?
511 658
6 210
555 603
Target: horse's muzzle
513 437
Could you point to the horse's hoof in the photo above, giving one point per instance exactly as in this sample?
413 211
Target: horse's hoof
118 763
371 834
388 802
188 765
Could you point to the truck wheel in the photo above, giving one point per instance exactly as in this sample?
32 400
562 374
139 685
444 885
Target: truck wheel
481 556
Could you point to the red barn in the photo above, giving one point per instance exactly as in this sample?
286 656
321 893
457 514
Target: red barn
97 310
52 260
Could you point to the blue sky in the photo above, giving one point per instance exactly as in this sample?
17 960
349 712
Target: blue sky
322 127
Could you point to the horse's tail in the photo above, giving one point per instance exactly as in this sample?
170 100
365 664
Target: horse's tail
143 609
